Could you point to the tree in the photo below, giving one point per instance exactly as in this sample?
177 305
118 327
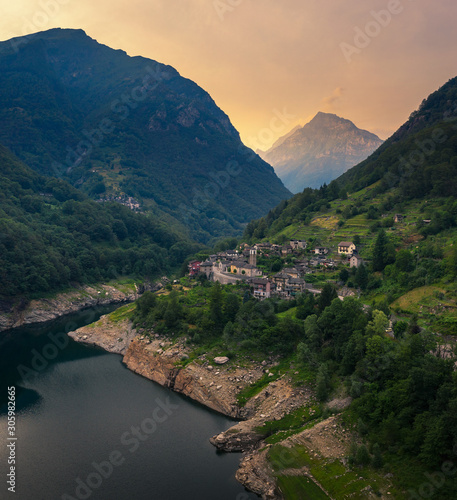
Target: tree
327 295
378 251
362 456
305 355
400 328
322 383
378 325
352 453
231 307
229 330
215 306
404 261
276 266
452 263
361 277
307 306
146 303
383 252
173 312
343 194
313 332
413 327
344 275
362 428
377 462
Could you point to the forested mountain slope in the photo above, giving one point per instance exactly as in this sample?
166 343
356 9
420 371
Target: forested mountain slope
114 125
52 235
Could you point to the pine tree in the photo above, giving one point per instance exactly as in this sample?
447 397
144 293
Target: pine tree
326 297
361 277
383 252
379 251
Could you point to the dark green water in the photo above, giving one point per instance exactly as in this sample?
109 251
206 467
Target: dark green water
79 407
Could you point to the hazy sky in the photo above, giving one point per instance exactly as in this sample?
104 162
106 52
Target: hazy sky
371 61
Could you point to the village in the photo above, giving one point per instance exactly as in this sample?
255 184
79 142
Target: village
241 264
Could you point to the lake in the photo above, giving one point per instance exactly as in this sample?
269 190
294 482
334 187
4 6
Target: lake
88 428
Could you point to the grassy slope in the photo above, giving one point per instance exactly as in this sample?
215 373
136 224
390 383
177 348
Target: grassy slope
435 304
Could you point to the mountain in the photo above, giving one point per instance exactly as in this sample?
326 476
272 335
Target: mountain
114 125
320 151
420 158
400 208
279 141
418 161
52 236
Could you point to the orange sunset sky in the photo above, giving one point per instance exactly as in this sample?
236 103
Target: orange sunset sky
258 58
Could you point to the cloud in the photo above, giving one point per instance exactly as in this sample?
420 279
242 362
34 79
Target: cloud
329 103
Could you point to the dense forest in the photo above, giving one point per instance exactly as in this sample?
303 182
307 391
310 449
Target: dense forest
404 386
52 235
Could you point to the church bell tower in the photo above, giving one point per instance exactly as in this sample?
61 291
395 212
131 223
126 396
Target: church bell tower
253 257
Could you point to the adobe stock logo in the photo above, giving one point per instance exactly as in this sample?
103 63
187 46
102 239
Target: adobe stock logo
46 11
435 480
372 29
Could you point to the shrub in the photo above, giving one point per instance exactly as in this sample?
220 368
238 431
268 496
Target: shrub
362 456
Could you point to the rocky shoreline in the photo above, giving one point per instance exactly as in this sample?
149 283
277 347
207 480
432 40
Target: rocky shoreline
13 315
214 385
214 382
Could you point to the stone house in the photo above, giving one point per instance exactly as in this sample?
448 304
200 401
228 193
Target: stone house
207 269
355 261
281 280
293 272
346 247
223 266
297 285
243 268
262 288
298 244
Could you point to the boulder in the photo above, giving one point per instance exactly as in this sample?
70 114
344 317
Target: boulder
221 360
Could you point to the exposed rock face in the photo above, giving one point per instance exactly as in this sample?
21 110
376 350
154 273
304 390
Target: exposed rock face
240 437
320 151
215 388
255 474
42 310
272 403
110 336
329 438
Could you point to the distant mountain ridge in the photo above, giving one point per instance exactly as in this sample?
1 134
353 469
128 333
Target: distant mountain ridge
320 151
417 162
111 124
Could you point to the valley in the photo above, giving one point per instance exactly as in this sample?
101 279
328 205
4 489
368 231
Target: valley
324 322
